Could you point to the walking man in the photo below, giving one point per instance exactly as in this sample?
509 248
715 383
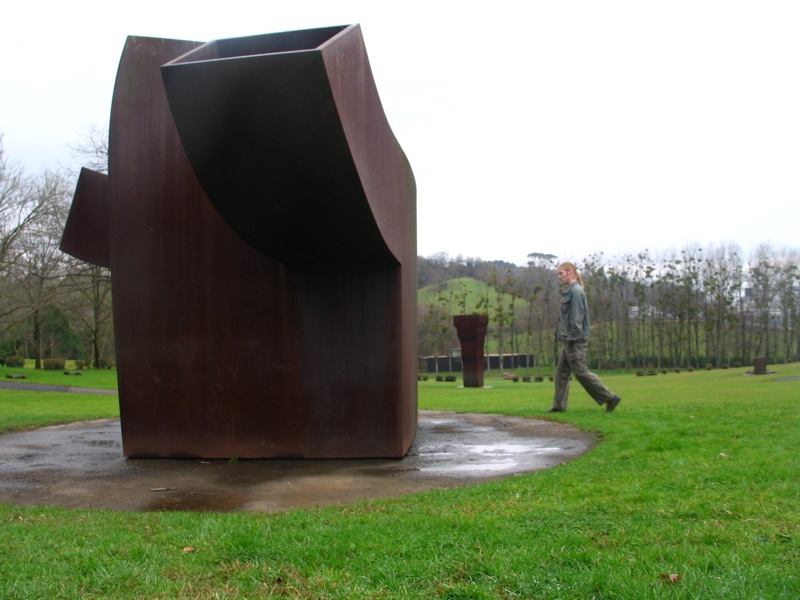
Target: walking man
573 332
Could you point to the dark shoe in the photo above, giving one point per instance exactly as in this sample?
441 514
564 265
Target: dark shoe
554 410
612 404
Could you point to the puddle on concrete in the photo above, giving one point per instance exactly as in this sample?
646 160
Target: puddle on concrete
81 466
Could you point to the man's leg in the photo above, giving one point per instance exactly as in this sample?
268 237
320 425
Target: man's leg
590 382
563 371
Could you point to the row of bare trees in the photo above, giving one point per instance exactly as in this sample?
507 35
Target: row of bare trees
50 304
689 308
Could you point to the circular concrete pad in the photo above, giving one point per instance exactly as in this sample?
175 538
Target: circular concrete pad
80 465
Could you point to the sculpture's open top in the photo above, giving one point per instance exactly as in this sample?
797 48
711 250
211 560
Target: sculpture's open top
287 136
269 43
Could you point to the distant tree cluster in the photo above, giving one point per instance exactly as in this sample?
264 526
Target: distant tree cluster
439 268
51 306
692 308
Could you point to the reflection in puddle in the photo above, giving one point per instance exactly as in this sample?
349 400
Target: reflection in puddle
499 467
498 448
488 457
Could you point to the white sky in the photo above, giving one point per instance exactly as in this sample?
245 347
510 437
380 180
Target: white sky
565 127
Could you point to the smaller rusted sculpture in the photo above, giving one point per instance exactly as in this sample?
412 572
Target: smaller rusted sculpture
471 331
760 365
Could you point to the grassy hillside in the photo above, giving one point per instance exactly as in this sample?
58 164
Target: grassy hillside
465 292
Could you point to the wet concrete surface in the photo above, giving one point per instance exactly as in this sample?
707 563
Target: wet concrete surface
81 465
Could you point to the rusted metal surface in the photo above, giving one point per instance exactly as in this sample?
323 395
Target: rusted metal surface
263 252
471 331
86 232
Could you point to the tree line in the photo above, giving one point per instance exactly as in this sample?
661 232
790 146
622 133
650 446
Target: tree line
51 305
690 308
683 308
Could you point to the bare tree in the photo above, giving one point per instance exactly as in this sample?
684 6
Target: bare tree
26 204
722 280
764 291
92 149
600 293
787 279
38 269
91 284
20 205
437 324
88 304
642 274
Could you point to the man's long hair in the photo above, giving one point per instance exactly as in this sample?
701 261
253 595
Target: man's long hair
568 266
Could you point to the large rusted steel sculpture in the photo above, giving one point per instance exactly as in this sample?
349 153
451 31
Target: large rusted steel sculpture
259 221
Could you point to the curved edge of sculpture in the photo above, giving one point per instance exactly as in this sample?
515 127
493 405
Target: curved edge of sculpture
382 166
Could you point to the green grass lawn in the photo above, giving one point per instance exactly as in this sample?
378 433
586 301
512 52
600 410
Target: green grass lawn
692 492
105 379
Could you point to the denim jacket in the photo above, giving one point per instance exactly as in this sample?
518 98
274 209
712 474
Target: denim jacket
573 320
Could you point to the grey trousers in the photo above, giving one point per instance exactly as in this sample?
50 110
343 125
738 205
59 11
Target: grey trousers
573 361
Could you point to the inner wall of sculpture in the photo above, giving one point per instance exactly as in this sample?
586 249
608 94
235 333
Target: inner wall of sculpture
259 221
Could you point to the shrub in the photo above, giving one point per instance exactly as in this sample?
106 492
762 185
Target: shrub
640 373
539 379
440 378
53 364
80 364
449 377
526 379
15 360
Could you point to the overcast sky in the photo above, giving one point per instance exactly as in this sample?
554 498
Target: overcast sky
564 127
